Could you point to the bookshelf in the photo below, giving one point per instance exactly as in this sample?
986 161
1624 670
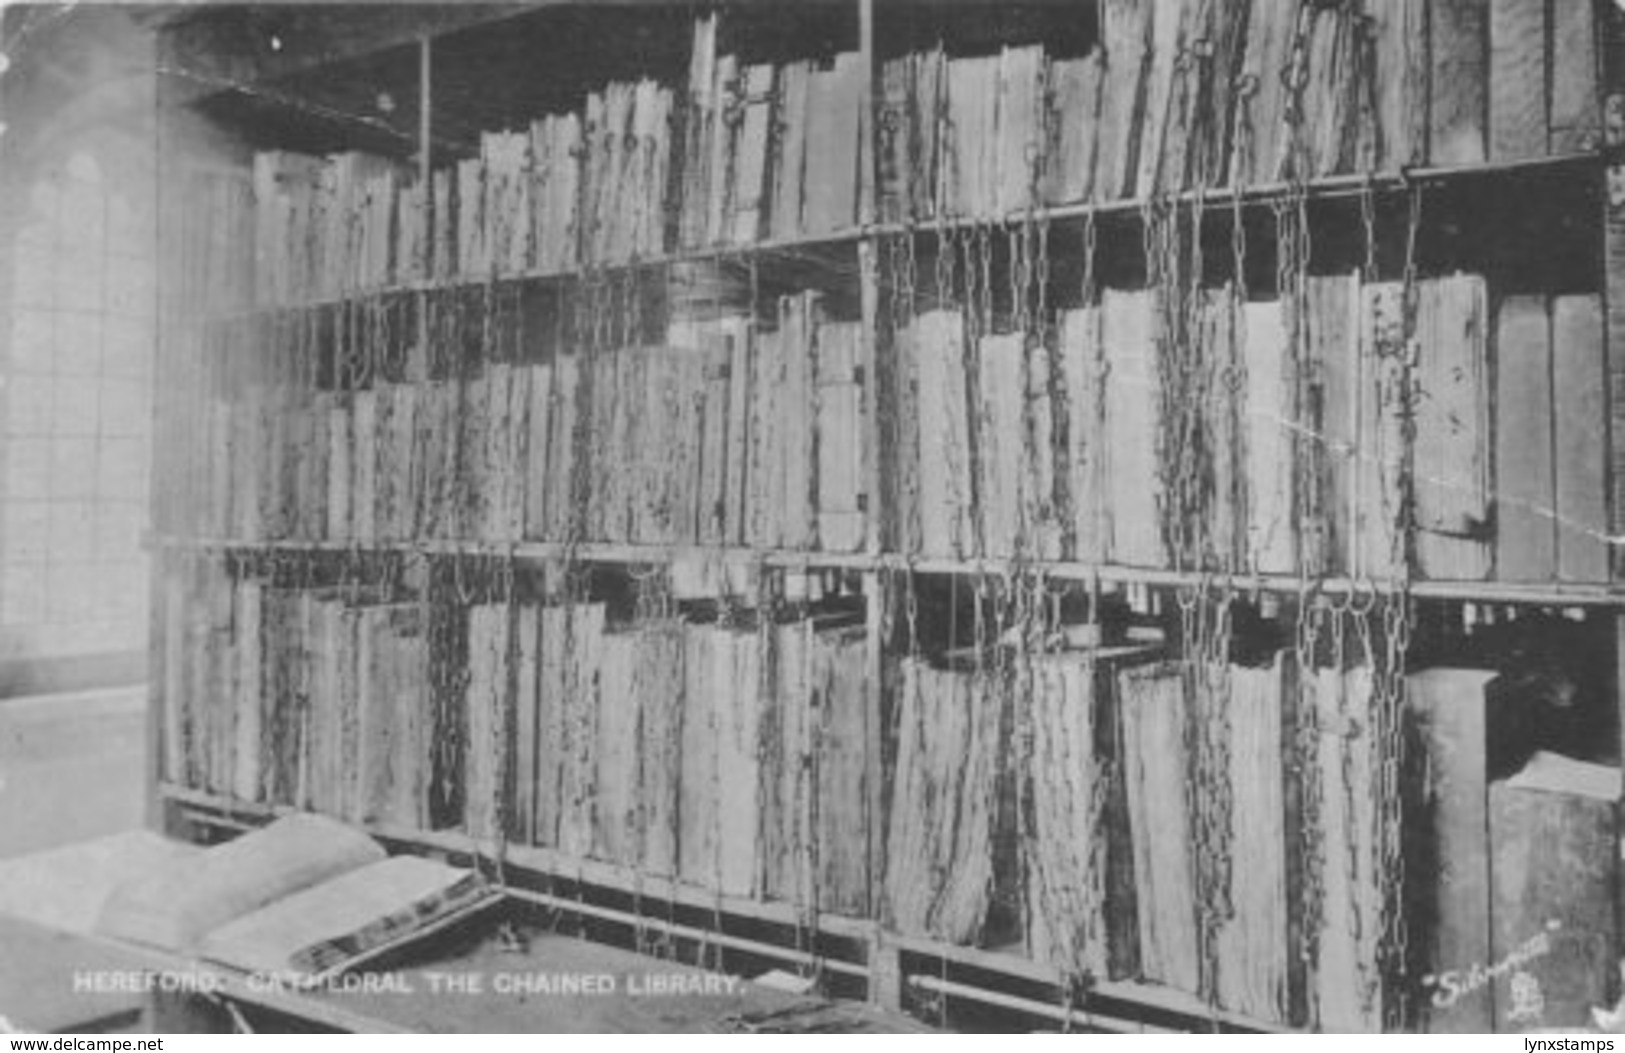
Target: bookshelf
761 467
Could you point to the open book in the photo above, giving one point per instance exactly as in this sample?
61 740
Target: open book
303 899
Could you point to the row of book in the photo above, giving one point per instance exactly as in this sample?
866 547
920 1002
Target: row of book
730 435
633 175
1172 96
1071 792
735 759
769 152
730 758
1176 95
1071 448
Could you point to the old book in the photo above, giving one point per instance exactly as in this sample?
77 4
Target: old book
790 158
1163 128
387 475
751 201
1346 996
895 151
248 687
837 705
700 782
1071 849
928 110
485 697
1253 950
944 429
723 95
1075 93
1269 424
1000 443
562 468
1576 113
765 460
833 122
581 651
1153 701
1261 129
469 191
176 905
1525 480
1126 54
281 716
659 712
1042 521
1082 366
939 848
700 128
392 759
1374 400
1553 859
1451 717
737 681
654 161
1330 132
1459 85
1220 322
317 932
900 438
1132 408
840 450
1518 76
787 761
615 749
970 153
537 433
364 466
404 426
443 245
564 731
1402 54
1451 451
1224 26
565 219
1020 144
1579 383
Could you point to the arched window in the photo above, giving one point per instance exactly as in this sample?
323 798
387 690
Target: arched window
77 408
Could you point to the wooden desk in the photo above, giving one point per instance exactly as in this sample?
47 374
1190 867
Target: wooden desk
58 982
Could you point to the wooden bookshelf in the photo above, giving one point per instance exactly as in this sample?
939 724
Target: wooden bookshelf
1556 594
1488 218
543 868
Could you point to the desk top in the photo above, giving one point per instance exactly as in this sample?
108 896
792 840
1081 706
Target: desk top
53 981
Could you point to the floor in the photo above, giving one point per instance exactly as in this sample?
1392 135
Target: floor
71 768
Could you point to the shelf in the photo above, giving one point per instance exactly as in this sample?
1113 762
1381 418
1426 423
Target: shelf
547 864
1551 594
542 861
784 251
